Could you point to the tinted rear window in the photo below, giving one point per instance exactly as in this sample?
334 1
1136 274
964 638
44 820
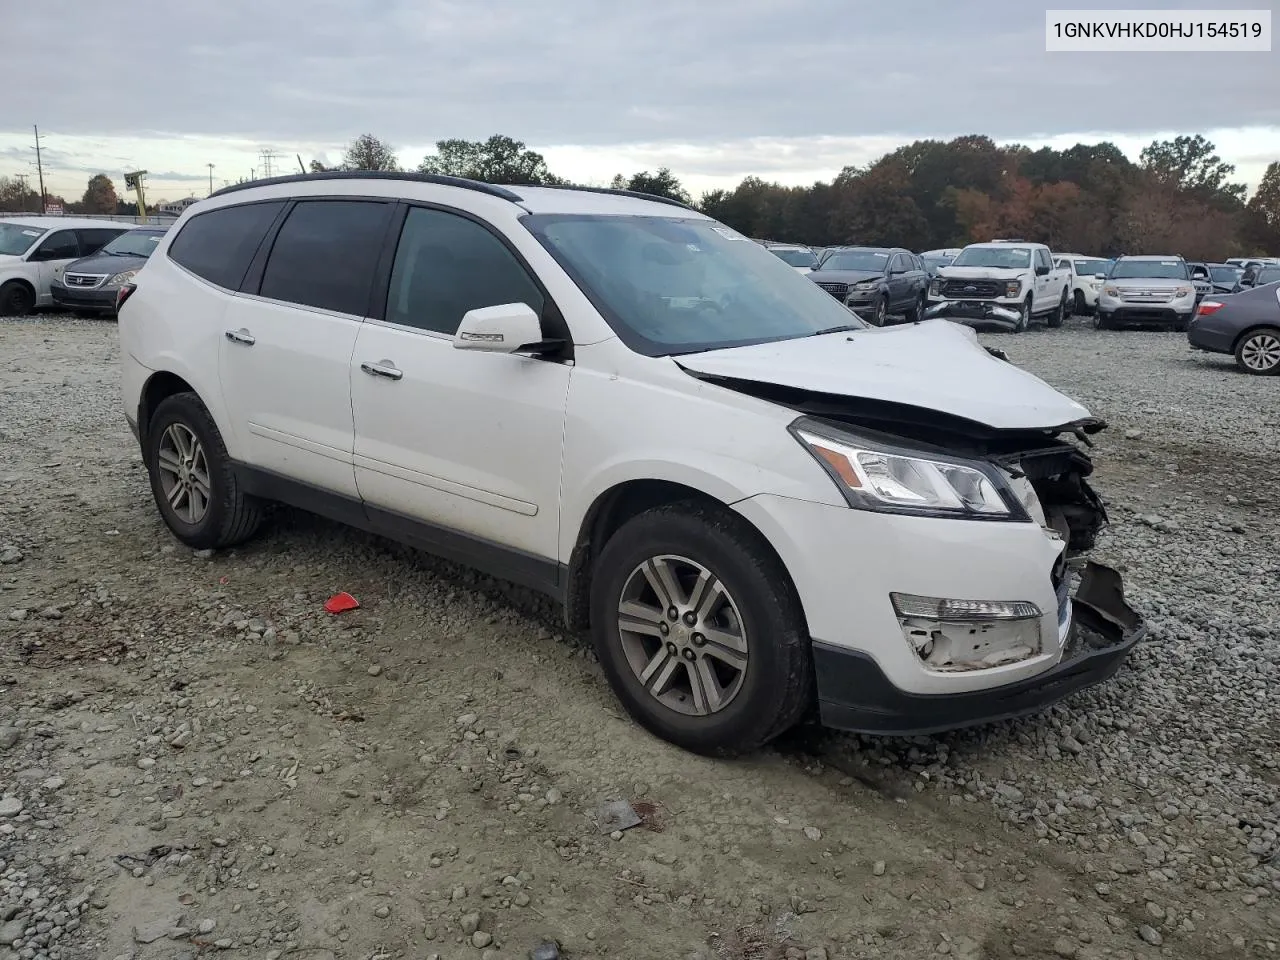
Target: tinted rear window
219 245
325 253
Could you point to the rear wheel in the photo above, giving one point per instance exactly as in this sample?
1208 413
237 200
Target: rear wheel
1078 306
1258 352
16 299
192 479
917 311
699 630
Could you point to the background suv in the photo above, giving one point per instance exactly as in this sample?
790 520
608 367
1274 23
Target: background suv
875 282
1146 290
609 398
35 250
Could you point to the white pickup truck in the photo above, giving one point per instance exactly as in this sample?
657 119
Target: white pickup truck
1003 284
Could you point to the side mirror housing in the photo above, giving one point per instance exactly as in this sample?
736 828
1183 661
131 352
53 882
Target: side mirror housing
1042 271
505 328
1100 276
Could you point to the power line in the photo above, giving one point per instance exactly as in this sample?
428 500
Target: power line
268 157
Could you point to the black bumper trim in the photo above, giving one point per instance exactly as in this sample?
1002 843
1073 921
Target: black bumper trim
855 695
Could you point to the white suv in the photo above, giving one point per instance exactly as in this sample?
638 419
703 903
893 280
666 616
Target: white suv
756 503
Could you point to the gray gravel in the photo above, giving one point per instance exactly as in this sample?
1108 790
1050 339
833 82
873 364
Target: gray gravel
194 758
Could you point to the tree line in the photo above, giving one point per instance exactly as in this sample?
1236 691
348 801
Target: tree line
1179 197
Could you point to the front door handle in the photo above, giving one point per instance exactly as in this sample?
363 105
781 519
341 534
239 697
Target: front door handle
383 368
241 336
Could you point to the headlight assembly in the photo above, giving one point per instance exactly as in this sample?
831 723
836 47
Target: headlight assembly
879 477
120 279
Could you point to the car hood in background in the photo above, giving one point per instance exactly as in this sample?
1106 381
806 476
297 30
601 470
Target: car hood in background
1154 283
844 276
935 365
108 263
982 273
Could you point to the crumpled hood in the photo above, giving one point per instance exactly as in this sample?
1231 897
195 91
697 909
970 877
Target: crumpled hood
982 273
844 276
935 365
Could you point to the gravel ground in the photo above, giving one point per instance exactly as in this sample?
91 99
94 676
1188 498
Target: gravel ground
195 758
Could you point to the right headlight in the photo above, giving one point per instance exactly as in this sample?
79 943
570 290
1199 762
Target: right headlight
873 476
1110 292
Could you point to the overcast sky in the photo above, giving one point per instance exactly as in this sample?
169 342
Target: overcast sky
714 89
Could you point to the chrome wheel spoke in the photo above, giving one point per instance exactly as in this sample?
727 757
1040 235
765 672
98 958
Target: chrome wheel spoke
682 635
184 476
168 461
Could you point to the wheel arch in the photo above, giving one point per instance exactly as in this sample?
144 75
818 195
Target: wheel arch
159 387
1235 344
22 282
606 515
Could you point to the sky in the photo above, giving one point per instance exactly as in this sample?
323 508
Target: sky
788 90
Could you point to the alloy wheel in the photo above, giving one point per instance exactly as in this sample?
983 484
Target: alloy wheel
682 635
184 473
881 313
1261 352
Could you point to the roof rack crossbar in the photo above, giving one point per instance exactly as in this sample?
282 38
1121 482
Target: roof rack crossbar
492 189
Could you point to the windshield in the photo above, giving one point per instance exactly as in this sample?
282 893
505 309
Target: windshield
797 258
669 285
1225 274
933 263
15 239
1088 268
134 243
856 260
1007 258
1149 270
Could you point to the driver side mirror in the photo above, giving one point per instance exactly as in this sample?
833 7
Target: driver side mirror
505 328
1042 271
1099 276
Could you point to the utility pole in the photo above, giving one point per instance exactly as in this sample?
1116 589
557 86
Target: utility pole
210 166
44 200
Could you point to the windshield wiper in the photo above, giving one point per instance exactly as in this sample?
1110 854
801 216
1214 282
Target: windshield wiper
843 328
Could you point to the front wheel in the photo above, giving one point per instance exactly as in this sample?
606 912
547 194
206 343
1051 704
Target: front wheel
1024 317
699 630
1079 307
192 479
1258 352
881 314
1101 321
16 300
915 314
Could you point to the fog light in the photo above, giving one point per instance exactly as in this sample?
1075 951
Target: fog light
962 635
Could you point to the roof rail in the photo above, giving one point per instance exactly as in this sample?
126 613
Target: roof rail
622 193
476 185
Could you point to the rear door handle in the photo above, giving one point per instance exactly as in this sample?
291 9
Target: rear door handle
241 336
383 368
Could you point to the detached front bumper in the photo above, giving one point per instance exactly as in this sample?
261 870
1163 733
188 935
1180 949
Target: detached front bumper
855 695
976 313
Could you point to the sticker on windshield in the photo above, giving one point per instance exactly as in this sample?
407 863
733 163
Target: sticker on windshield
730 234
31 233
693 248
1168 263
154 239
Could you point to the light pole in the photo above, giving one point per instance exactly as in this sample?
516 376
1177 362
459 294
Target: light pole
210 166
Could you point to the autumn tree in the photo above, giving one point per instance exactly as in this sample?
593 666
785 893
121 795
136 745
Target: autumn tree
367 152
1191 165
17 197
661 184
1266 199
99 195
500 159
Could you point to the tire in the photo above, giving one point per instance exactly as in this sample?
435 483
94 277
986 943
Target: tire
916 312
761 612
1258 352
1078 307
1024 320
1101 322
16 300
1059 316
881 315
229 516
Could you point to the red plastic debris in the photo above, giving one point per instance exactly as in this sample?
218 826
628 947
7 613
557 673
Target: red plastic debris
341 603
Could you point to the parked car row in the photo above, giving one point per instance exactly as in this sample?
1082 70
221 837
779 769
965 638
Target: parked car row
77 264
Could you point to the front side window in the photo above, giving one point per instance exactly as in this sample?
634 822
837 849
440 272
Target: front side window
59 245
447 265
672 285
91 241
325 254
218 246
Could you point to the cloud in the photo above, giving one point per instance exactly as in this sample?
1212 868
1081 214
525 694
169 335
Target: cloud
719 84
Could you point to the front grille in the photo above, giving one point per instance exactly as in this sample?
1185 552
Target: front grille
837 290
972 289
1146 296
83 280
